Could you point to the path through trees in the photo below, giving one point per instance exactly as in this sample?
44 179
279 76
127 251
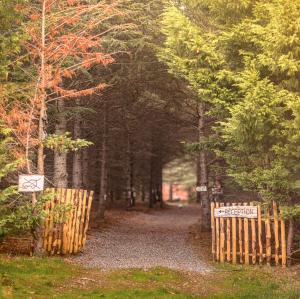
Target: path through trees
146 240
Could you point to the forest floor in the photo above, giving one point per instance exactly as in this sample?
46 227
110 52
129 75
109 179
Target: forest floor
146 239
167 259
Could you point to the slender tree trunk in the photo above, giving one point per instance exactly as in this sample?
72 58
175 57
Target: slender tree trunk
60 177
290 240
38 246
198 178
85 168
77 169
103 175
160 186
171 191
151 195
129 172
205 204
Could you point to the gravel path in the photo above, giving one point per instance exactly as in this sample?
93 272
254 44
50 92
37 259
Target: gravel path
145 240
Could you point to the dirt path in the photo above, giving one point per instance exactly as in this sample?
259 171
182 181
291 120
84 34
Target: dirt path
145 240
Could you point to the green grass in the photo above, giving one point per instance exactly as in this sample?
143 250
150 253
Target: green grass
53 278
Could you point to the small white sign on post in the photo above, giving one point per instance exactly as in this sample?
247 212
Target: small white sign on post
236 211
31 183
201 188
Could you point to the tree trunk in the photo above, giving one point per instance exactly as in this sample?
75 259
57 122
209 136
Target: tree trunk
60 176
85 168
290 240
171 191
77 169
129 173
203 169
103 171
38 246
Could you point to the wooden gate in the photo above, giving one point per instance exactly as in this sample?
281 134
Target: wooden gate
67 220
248 241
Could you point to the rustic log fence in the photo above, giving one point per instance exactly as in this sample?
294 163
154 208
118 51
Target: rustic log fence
248 240
67 220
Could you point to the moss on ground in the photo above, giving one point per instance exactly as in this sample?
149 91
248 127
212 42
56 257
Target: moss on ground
22 277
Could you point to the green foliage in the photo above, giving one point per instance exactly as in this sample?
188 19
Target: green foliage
242 59
64 143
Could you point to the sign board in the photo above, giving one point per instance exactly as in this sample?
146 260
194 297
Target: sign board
236 211
217 190
31 183
201 188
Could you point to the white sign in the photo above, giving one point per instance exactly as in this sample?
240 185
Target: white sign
31 183
201 189
236 211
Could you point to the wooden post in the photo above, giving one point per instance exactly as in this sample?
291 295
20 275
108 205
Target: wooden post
276 233
87 216
217 236
233 239
51 208
66 222
268 238
83 216
213 231
240 221
246 239
73 224
259 224
253 239
222 238
228 239
283 243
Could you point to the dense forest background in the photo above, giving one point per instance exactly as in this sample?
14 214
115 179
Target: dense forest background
103 95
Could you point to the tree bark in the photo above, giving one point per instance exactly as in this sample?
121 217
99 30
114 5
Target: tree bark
77 169
103 171
38 237
60 176
130 173
171 191
203 172
85 168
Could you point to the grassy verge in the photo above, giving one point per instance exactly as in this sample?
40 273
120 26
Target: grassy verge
22 277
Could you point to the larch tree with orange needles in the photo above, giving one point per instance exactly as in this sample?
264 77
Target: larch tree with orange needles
65 39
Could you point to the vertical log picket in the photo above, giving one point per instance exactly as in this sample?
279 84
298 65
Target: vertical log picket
240 222
276 233
228 239
260 244
213 231
246 239
217 236
268 238
222 239
233 239
283 243
253 239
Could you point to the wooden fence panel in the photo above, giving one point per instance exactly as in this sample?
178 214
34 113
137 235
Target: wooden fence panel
66 225
260 237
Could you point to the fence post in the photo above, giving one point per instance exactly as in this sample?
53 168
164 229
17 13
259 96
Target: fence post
233 239
228 238
213 232
217 236
276 233
246 239
268 238
283 243
253 238
222 238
